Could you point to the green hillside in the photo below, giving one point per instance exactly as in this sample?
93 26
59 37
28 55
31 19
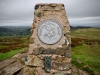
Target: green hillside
85 55
13 31
88 33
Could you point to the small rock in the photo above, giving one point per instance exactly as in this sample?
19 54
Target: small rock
40 71
66 59
63 59
33 60
7 62
53 71
53 5
39 13
69 72
61 66
12 68
78 61
31 39
96 73
41 56
54 56
28 70
82 73
60 73
76 71
59 59
17 55
31 31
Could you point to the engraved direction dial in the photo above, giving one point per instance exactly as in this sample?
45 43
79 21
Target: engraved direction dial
50 32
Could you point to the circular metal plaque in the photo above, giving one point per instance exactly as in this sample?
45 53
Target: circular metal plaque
50 32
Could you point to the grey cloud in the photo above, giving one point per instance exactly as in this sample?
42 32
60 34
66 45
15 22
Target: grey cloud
83 8
87 21
13 12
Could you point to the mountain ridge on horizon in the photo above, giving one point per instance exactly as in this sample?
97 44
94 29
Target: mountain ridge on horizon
25 30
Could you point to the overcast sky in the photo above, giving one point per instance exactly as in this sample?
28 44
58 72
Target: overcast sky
79 12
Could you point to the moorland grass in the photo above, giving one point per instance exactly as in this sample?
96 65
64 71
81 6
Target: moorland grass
90 33
9 54
88 55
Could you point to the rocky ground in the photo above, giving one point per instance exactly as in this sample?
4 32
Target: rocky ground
16 66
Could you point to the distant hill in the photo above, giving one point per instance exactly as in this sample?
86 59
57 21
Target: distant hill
14 31
4 29
86 33
82 27
79 27
18 31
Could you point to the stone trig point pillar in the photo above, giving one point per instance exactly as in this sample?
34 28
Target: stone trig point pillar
49 50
